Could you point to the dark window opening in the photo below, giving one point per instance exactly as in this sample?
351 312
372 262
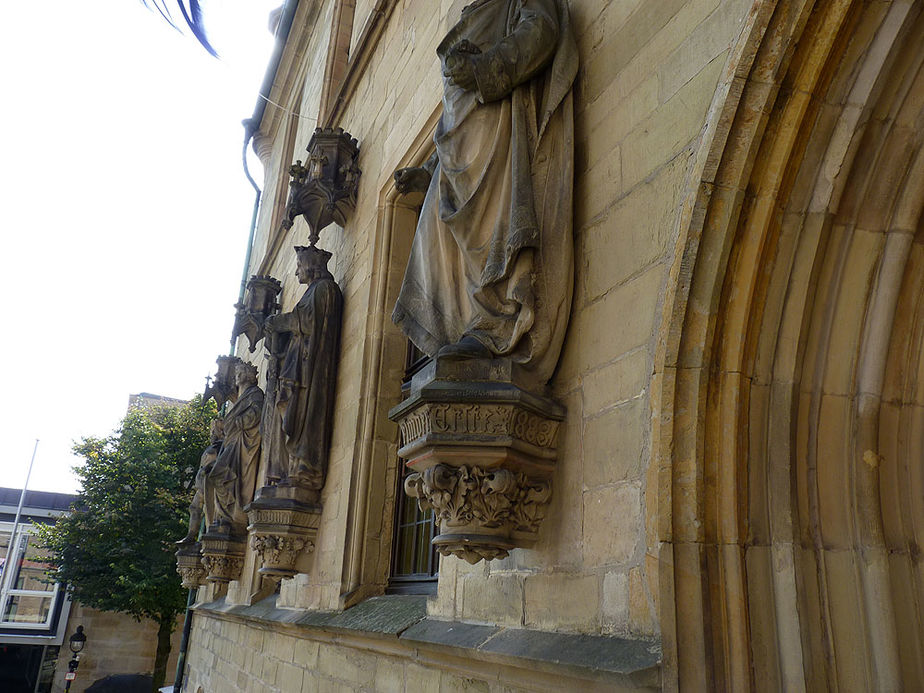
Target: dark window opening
414 562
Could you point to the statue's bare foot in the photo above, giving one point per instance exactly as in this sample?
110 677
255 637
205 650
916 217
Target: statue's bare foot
466 348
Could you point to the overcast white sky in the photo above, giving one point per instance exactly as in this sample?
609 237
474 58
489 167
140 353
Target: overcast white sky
125 213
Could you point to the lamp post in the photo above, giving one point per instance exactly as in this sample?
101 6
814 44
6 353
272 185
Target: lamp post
76 643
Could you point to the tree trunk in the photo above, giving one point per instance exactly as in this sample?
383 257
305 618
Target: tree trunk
164 631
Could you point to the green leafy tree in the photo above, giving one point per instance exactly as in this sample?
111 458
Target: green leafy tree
116 548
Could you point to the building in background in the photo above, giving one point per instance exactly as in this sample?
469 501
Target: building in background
38 617
145 400
33 613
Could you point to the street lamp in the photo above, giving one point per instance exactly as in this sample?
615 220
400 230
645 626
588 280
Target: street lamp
76 643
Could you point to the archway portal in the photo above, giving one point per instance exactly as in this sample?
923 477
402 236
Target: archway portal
793 426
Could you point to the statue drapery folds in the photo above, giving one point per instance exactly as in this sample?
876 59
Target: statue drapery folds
490 271
235 472
203 502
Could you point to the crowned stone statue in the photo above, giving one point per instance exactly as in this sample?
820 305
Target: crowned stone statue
203 502
235 472
306 376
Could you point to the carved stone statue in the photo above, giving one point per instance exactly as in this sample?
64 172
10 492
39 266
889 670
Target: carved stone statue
308 341
235 472
490 272
275 455
203 501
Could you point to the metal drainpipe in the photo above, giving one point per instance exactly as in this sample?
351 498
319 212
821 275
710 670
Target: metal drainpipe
250 128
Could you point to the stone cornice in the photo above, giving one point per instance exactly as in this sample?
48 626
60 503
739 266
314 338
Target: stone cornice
290 73
365 46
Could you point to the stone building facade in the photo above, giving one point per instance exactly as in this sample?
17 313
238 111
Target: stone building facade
737 498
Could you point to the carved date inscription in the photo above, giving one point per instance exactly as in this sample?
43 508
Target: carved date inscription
480 419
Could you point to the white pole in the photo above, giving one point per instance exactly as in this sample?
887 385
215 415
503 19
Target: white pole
9 546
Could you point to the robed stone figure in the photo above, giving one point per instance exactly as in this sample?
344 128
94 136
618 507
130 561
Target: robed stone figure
235 472
203 502
307 372
490 272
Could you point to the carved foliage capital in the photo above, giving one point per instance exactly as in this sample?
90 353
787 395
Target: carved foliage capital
276 550
223 558
491 499
190 568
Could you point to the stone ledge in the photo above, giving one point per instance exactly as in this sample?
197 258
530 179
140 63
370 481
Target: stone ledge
401 621
385 615
637 661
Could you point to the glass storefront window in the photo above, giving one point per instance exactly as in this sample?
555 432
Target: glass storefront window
27 598
27 609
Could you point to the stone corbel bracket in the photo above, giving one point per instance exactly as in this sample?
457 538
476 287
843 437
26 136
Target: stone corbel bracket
282 526
260 302
223 557
323 190
483 452
222 386
189 566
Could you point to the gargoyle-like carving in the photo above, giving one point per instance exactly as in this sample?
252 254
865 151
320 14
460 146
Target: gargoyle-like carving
324 190
260 303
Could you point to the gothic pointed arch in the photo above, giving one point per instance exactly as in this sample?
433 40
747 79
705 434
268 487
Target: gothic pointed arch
789 384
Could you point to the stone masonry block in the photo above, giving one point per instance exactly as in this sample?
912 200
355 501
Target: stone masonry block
632 307
642 619
614 609
591 24
632 233
496 599
615 444
671 128
420 678
450 683
618 49
716 34
282 647
562 601
305 653
608 120
389 675
597 188
559 542
616 383
289 677
337 662
612 523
